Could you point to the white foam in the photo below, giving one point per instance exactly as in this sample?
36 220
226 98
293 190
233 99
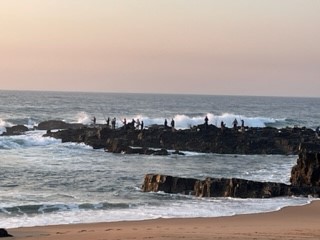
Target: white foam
84 118
4 125
30 139
185 208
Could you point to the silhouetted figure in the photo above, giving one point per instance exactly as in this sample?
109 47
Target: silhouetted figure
141 125
108 122
318 132
206 120
94 120
222 125
124 121
133 122
165 123
172 125
235 124
242 125
138 123
113 123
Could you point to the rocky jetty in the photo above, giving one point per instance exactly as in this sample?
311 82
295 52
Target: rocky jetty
305 181
207 139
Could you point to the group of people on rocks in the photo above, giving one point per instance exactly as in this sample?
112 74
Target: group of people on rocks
134 124
172 124
223 125
137 124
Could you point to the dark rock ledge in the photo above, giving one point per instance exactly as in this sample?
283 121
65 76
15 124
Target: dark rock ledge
201 138
206 139
305 181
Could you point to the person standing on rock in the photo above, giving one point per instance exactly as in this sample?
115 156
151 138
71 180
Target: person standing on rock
108 121
242 125
172 125
165 123
138 123
206 120
235 124
223 125
113 123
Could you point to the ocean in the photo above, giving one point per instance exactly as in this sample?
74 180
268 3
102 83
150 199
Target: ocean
46 182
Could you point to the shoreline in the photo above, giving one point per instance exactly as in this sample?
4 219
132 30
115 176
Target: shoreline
293 222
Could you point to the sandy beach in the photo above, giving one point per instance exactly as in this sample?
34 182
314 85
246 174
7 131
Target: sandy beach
300 222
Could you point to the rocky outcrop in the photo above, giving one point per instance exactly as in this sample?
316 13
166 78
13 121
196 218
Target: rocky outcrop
307 170
223 187
209 139
305 181
58 124
168 184
15 130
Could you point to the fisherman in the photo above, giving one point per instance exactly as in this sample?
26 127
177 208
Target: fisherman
242 125
165 123
94 120
138 123
172 125
235 124
108 121
206 120
113 123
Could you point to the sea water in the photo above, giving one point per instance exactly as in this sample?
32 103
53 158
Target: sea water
44 181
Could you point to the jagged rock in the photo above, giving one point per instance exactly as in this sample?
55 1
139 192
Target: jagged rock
239 188
305 180
15 130
168 184
223 187
307 170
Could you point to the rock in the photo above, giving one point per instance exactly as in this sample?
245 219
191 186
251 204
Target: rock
57 124
305 180
239 188
307 170
168 184
223 187
198 139
15 130
4 233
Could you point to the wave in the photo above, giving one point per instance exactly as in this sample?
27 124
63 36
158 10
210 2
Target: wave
4 125
61 213
59 207
31 139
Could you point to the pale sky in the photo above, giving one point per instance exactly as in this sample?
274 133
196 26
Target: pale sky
216 47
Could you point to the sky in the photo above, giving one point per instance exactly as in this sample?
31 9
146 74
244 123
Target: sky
238 47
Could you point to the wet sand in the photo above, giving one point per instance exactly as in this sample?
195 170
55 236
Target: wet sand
302 222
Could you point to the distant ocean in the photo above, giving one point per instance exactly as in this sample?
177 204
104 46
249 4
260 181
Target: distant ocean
44 181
